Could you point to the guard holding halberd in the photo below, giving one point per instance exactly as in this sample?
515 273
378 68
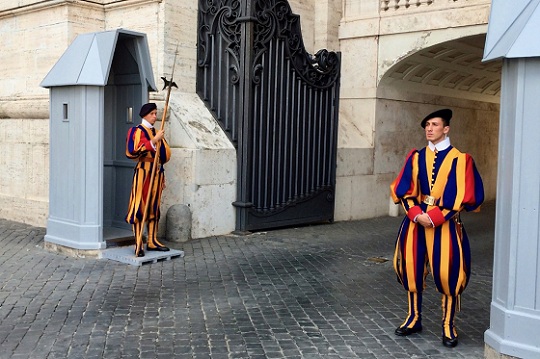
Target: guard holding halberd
143 143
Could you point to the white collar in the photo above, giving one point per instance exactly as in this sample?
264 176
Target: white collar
441 146
147 124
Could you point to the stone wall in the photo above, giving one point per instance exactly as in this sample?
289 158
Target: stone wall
34 36
202 170
371 38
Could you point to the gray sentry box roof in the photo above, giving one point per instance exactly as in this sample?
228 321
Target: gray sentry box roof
98 78
513 29
88 60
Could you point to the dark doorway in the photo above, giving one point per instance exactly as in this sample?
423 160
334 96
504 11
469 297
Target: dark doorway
122 103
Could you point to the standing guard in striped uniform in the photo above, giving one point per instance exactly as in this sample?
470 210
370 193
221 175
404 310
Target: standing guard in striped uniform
434 186
141 144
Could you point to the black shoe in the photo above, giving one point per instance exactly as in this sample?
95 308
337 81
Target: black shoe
140 254
157 248
450 343
404 331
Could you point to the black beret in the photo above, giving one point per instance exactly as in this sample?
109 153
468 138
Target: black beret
147 108
445 114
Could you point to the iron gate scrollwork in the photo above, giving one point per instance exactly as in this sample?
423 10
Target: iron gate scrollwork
279 106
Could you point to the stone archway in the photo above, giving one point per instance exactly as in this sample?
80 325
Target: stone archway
449 74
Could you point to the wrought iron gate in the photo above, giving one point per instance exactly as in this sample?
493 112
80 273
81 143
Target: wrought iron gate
279 106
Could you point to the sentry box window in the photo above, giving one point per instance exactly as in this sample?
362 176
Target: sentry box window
129 115
65 112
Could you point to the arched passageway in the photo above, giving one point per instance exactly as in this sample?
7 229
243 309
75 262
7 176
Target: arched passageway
449 74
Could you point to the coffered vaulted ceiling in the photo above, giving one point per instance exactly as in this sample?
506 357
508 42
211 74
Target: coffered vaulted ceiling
453 69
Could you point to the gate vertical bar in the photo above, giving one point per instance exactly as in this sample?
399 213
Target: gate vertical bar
244 189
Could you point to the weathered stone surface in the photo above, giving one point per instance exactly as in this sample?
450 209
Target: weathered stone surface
178 223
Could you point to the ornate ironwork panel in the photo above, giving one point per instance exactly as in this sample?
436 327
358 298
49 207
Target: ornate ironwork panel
279 106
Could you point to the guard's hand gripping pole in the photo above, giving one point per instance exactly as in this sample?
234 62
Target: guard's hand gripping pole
169 85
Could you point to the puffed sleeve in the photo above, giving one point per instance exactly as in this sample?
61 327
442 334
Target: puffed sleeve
137 144
164 152
465 189
405 188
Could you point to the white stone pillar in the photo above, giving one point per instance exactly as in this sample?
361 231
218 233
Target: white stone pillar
515 307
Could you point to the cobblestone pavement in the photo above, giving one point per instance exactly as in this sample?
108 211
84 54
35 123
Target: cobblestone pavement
325 291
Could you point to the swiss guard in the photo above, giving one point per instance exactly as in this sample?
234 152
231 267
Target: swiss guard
143 142
436 183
